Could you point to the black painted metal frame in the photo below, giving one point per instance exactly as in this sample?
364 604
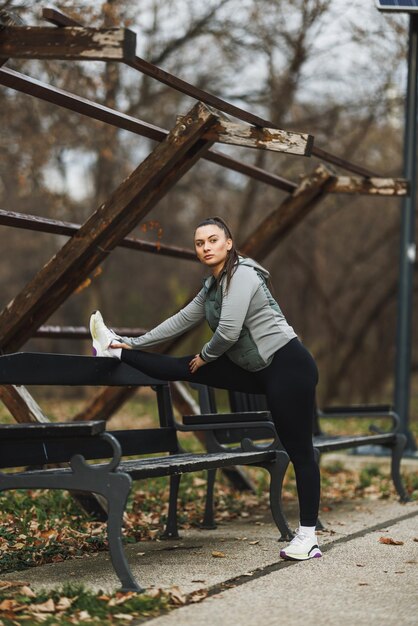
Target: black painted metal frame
75 443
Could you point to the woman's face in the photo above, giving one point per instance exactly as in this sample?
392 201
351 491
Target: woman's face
212 246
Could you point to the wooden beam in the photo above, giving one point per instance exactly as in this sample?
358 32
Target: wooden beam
290 212
261 138
59 97
72 43
105 229
21 404
368 186
56 227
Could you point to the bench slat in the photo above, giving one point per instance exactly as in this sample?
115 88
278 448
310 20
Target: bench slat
174 464
51 431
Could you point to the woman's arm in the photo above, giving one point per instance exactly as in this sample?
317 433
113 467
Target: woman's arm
235 302
172 327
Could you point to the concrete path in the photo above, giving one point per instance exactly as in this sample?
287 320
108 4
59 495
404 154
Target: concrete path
359 581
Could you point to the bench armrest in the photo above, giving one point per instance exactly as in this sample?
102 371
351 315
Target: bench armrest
211 422
216 419
362 411
52 430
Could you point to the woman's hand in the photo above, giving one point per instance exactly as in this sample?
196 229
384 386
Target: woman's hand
115 344
196 363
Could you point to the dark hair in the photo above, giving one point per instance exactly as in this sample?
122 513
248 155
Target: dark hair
232 260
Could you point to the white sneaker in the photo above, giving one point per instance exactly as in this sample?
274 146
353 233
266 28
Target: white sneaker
102 336
301 548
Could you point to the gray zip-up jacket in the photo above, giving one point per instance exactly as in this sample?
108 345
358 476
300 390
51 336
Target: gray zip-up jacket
248 325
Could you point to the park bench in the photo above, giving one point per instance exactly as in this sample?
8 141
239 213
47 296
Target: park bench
75 443
248 408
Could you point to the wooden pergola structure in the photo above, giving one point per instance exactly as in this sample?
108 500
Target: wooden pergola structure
192 138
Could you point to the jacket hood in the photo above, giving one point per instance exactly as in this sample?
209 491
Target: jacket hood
251 263
242 261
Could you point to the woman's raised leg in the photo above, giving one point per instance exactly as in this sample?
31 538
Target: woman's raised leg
222 373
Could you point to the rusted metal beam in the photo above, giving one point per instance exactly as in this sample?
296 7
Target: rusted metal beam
261 138
105 229
60 19
45 225
290 212
368 186
75 43
36 88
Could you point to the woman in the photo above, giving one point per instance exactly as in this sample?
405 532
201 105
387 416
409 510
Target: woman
253 349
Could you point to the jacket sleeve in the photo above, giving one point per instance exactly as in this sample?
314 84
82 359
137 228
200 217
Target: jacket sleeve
172 327
235 303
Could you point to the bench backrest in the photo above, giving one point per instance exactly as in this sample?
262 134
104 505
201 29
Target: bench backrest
73 370
240 403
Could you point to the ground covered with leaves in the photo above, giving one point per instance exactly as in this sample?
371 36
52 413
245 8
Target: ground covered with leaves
40 527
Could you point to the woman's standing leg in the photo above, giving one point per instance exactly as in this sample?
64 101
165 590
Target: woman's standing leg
290 383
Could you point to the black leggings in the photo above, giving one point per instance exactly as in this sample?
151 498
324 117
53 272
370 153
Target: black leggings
289 385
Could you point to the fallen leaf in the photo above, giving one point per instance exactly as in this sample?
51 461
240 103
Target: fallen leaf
5 584
390 542
27 591
44 607
198 581
363 584
218 555
199 482
400 572
176 595
84 615
411 562
415 539
254 543
19 546
140 554
198 596
64 603
7 605
124 616
360 565
154 593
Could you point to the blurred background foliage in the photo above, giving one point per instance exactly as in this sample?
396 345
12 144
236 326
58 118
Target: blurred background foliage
312 66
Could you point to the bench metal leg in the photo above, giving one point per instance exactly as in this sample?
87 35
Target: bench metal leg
209 516
397 451
171 529
116 506
277 470
113 486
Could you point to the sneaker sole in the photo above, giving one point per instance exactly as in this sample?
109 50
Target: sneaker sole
97 351
300 557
